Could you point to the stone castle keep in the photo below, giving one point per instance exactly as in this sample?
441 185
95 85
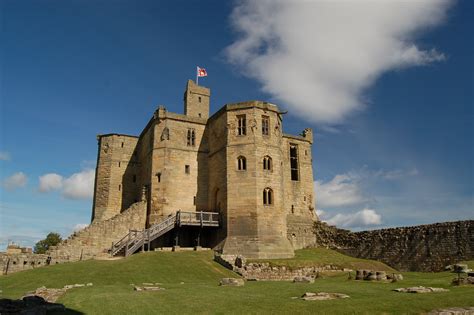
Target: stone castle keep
237 163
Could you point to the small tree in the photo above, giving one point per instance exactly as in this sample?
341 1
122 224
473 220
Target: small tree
52 239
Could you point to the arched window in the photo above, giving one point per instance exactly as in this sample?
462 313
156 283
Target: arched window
267 163
267 196
241 163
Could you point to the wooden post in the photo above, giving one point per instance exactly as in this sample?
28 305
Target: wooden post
148 231
5 272
176 238
199 238
128 242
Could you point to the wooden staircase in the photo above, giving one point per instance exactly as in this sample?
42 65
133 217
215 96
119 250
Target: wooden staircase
134 240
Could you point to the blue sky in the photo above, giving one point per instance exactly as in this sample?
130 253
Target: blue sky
387 88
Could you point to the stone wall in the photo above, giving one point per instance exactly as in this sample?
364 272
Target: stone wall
263 271
116 171
416 248
97 238
10 263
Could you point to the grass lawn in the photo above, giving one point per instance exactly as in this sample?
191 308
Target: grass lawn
191 283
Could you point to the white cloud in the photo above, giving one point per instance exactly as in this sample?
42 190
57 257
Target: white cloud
79 185
50 182
397 174
365 217
319 57
4 156
342 190
320 213
80 226
15 181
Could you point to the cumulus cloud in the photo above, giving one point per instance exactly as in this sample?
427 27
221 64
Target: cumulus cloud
15 181
78 186
50 182
365 217
319 57
80 226
4 156
342 190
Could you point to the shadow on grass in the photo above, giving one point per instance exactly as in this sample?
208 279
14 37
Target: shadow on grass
33 305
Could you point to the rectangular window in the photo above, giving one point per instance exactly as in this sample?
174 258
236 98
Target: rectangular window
294 162
187 169
241 125
265 125
191 138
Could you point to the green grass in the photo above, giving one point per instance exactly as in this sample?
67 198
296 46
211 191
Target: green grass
319 257
199 293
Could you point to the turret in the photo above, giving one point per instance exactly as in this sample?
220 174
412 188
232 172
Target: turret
196 100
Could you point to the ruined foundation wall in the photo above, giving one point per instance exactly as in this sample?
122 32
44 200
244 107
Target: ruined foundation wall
417 248
10 263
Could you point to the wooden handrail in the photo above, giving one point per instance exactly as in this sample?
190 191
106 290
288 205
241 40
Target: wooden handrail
137 238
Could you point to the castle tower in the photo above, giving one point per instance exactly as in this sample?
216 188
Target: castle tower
196 100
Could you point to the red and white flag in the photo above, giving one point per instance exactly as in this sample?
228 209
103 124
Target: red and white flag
201 72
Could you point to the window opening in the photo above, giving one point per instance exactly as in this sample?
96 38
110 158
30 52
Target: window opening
241 163
120 187
187 169
267 163
191 137
267 196
294 162
122 144
242 125
119 164
265 125
159 177
134 178
199 99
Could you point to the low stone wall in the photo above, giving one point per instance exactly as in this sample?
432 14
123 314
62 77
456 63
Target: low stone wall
97 238
254 271
417 248
265 272
10 263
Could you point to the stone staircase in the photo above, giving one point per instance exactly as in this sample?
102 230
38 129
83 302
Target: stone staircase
95 240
